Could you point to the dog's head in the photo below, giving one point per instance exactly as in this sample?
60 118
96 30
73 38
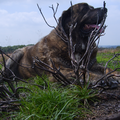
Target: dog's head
86 19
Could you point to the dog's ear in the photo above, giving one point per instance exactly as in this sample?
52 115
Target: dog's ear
66 16
65 19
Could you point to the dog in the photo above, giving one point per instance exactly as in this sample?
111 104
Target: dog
52 47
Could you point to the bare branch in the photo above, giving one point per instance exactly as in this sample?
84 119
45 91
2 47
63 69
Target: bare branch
54 13
115 55
53 70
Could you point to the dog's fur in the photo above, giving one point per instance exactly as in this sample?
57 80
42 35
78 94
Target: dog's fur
52 47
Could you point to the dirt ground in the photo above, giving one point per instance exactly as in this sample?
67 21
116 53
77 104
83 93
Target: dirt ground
107 107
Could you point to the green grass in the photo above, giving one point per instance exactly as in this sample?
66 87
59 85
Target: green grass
0 66
53 103
85 93
104 57
48 104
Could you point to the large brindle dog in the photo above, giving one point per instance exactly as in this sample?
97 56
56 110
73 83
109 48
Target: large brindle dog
54 48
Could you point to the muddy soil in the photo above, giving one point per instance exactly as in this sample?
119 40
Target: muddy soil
107 107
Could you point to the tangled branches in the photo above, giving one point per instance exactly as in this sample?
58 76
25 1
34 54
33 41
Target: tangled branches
9 92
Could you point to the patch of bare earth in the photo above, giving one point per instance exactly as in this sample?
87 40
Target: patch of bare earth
107 107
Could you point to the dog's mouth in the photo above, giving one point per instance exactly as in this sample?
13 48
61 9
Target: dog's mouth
88 28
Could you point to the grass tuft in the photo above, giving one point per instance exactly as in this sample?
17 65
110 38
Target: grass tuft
52 103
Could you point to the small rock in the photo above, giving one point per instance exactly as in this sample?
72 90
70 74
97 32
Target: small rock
95 104
118 110
119 105
98 107
113 84
103 83
104 104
